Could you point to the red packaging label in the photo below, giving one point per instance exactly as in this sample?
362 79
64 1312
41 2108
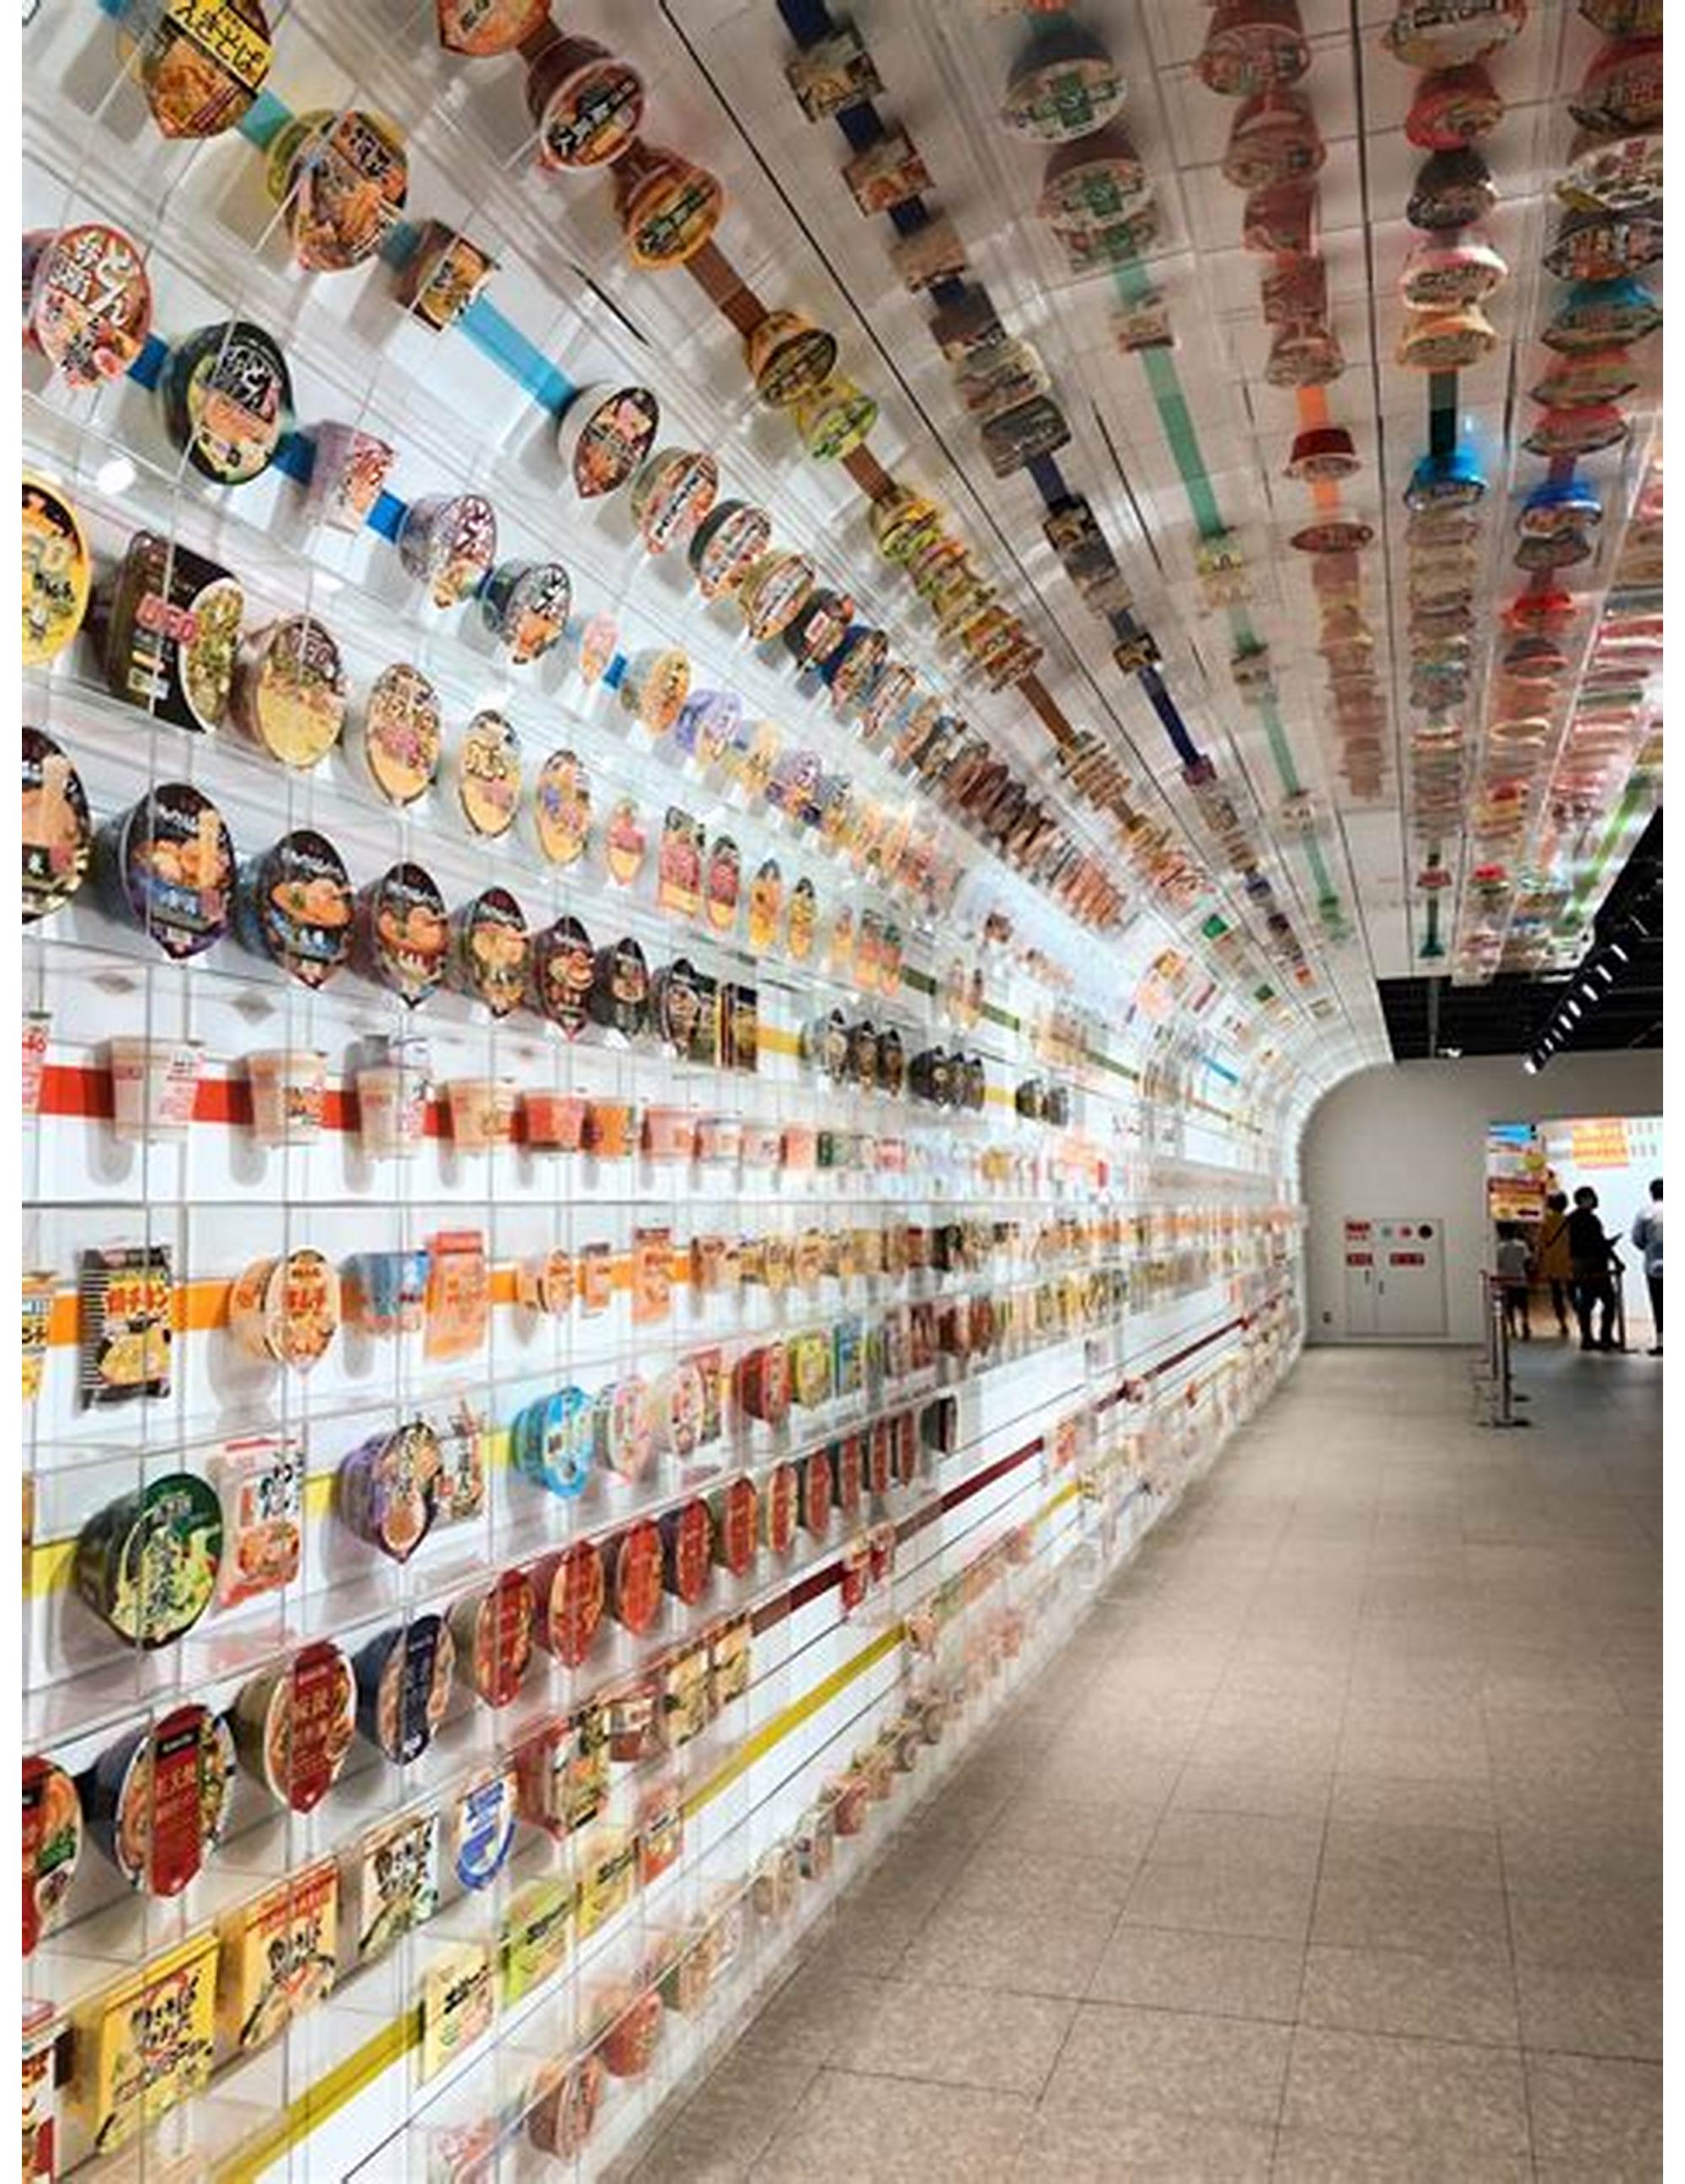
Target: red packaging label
637 1576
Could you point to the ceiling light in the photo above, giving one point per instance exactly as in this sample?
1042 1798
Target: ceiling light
1570 1008
1602 970
1616 949
1530 1067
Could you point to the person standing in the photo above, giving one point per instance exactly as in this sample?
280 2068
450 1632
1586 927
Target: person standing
1591 1255
1514 1263
1647 1239
1553 1264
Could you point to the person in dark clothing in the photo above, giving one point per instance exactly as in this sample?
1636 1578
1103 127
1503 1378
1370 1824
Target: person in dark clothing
1590 1256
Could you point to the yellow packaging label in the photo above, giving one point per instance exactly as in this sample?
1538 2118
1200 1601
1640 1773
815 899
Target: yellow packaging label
457 2004
145 2044
278 1955
535 1936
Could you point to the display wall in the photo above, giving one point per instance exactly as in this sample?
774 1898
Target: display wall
668 1006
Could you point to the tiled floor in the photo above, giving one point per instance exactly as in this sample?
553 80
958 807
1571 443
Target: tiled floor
1329 1848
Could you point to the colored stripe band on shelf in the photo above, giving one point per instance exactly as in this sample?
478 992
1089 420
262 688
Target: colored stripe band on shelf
317 2103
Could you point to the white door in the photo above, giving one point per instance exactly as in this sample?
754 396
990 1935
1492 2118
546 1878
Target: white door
1395 1277
1359 1249
1410 1279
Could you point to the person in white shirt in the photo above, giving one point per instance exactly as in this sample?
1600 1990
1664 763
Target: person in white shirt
1647 1239
1515 1271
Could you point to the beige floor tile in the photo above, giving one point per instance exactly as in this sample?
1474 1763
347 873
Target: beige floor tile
1214 1974
1459 1997
730 2122
1241 1842
1582 2011
814 2014
1614 1929
999 1879
1047 1952
1425 2092
960 2036
1117 2058
1413 1910
1223 1786
1596 2119
1269 1905
1144 2148
896 2131
1465 1858
1316 2157
1102 1830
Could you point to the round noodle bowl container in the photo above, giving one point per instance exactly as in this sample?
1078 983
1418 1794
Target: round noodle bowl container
633 1561
294 1725
403 1683
51 1845
158 1800
571 1588
584 104
287 1310
493 1628
386 1488
605 436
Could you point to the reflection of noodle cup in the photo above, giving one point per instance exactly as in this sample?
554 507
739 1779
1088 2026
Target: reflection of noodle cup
37 1318
289 1087
482 1112
37 1024
154 1083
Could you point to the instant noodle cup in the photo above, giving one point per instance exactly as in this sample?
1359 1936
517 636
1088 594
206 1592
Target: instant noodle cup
482 28
293 1725
341 180
654 688
391 1100
605 436
774 593
228 398
687 1549
386 1489
403 1684
836 421
167 866
725 545
493 1628
146 1563
633 1568
563 2115
668 207
402 733
443 276
450 542
289 1092
555 1122
87 303
57 573
286 1309
672 494
290 690
554 1441
584 103
570 1589
1064 84
293 906
482 1824
487 770
481 1112
789 358
172 633
387 1291
154 1084
157 1801
525 605
51 1845
38 1291
490 950
348 473
544 1284
200 67
1252 45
